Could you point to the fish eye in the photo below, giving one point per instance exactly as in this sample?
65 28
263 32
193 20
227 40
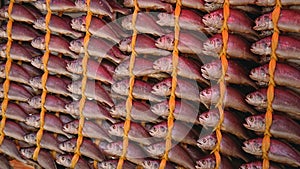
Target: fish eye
204 140
206 116
251 119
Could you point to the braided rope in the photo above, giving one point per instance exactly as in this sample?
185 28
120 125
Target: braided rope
222 84
131 84
175 57
39 134
83 85
7 71
271 86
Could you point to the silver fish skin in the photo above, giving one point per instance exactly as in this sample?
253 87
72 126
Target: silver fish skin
57 6
231 123
144 45
282 126
91 110
154 164
141 90
285 75
285 100
95 70
97 28
188 19
176 154
142 67
56 25
17 52
135 153
140 111
100 7
16 92
20 32
150 4
44 159
48 141
90 130
233 98
52 123
27 108
188 43
136 133
52 103
4 163
180 132
185 89
117 7
14 130
280 152
31 70
209 162
56 65
228 146
195 4
257 165
57 44
16 73
151 28
185 68
66 159
93 90
236 73
113 163
184 111
9 148
19 13
87 148
15 112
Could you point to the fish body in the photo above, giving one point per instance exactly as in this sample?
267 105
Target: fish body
257 165
150 4
117 7
209 162
16 73
154 164
15 112
9 148
279 151
52 103
5 163
14 130
16 92
57 5
17 52
65 160
113 163
19 13
100 7
20 32
44 159
48 141
195 4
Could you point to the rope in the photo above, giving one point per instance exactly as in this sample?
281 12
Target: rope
131 84
39 134
174 84
270 91
83 86
7 71
222 84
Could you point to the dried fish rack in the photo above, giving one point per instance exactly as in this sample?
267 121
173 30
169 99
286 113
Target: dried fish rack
216 157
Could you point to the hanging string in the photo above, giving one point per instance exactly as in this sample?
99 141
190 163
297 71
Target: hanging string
131 84
83 85
7 71
175 57
271 86
39 134
222 83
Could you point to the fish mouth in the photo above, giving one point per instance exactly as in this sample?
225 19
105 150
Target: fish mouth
258 49
205 73
76 46
78 24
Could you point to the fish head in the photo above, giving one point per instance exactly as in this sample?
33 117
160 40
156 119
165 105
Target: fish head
37 62
164 18
125 44
262 47
35 102
252 165
27 152
40 4
260 73
107 165
68 146
72 108
128 3
81 4
122 69
163 64
256 123
33 120
127 22
208 162
256 99
263 22
206 96
212 6
209 118
71 127
165 41
212 70
38 42
214 19
2 69
3 12
214 43
253 146
114 147
151 164
30 138
207 142
40 23
79 23
116 129
36 82
121 87
75 66
159 130
118 110
3 31
162 88
74 87
64 160
3 50
76 46
156 149
161 108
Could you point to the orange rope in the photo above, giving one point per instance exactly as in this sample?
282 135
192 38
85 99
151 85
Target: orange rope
7 71
270 91
219 105
174 84
39 134
83 86
131 84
